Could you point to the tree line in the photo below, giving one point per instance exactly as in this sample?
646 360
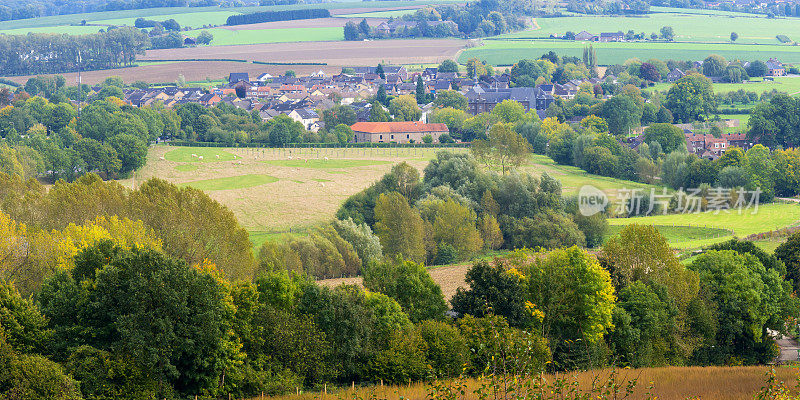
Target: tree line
52 139
91 324
272 16
39 53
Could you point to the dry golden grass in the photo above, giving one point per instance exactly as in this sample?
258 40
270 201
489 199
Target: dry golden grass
669 383
302 197
449 277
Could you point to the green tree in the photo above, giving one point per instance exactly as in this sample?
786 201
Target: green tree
351 31
668 136
421 97
573 301
448 66
746 299
622 114
667 33
343 134
131 296
691 98
410 285
205 37
788 253
492 290
405 108
399 227
452 99
509 111
714 65
504 147
378 114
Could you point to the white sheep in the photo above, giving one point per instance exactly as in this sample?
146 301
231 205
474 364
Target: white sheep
326 158
194 155
322 184
290 157
200 157
161 158
217 156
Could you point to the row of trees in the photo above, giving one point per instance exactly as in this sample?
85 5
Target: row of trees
94 329
39 53
53 140
272 16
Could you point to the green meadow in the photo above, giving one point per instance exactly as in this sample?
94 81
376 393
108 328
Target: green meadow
507 52
223 37
232 182
57 29
324 164
787 84
768 217
688 27
192 19
209 154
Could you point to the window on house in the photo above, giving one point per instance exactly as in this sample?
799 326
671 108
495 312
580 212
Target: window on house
392 136
380 137
408 136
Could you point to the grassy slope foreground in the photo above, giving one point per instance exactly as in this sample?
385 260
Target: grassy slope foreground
707 383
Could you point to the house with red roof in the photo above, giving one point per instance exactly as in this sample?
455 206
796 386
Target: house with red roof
397 132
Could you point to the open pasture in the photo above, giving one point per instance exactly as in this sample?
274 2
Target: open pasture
56 29
573 178
232 182
786 84
689 27
269 192
227 37
193 154
768 217
507 52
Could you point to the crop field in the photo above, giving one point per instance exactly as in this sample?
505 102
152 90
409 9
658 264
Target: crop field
707 383
507 52
768 217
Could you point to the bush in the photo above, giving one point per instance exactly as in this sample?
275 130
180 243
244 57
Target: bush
445 254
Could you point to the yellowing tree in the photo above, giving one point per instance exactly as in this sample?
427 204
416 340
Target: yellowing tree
505 147
399 227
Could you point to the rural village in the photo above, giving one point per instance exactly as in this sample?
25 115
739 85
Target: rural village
399 199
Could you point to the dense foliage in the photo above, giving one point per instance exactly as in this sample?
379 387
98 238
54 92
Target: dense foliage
26 54
272 16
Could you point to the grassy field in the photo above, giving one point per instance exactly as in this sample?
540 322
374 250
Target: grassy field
58 29
379 14
787 84
707 383
225 37
680 234
232 182
768 217
309 189
507 52
689 27
573 178
199 16
192 19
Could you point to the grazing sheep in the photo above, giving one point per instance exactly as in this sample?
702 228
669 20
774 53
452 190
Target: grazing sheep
290 157
194 155
217 155
161 158
200 158
322 184
326 158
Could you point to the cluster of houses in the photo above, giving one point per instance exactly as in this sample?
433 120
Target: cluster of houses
774 68
302 98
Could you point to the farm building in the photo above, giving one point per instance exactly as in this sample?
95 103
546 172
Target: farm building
398 132
775 67
611 37
584 36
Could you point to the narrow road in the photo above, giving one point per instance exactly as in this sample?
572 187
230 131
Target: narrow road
789 349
